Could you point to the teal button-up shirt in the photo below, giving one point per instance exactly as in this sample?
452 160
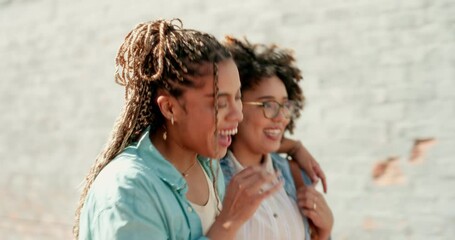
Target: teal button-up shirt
141 195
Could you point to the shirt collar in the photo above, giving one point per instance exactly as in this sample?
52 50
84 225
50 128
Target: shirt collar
239 167
164 169
153 159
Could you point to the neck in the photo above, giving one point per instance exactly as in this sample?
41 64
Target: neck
245 156
172 151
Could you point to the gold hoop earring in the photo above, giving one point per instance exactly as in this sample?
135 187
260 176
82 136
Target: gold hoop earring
165 135
172 119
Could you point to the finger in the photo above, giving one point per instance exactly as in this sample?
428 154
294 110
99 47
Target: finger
252 180
259 196
311 171
261 180
309 202
318 218
236 185
247 172
238 181
271 191
302 192
249 205
300 195
321 176
311 198
312 215
305 191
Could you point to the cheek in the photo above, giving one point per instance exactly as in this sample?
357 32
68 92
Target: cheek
286 122
207 124
200 122
253 122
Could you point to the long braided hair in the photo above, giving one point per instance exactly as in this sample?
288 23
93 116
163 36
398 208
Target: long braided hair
156 55
258 61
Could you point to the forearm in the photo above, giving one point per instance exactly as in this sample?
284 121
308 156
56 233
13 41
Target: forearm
223 230
289 146
296 150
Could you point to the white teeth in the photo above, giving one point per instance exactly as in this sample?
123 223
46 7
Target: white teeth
228 132
273 132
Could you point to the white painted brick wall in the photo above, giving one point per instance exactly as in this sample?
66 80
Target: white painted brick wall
378 75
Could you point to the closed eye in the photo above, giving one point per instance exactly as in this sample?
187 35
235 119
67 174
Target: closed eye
222 102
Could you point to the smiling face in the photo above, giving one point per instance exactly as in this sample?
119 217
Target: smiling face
257 133
195 119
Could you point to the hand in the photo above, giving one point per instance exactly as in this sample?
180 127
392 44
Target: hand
243 196
313 206
299 153
245 192
312 168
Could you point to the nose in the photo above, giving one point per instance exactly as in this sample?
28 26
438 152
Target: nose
235 113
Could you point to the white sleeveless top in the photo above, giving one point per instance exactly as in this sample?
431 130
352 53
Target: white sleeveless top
208 212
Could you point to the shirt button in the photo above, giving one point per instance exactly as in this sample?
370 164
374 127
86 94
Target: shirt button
189 209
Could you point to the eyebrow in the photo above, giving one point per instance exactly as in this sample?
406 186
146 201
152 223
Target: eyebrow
270 98
223 94
211 95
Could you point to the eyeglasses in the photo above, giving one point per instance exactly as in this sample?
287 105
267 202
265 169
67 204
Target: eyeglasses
272 108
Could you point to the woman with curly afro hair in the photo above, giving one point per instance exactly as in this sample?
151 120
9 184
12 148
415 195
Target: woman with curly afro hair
272 100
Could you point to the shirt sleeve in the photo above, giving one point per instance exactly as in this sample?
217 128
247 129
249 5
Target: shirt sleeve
123 221
132 210
123 205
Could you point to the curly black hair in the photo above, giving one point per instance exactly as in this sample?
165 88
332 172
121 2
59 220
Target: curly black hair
258 61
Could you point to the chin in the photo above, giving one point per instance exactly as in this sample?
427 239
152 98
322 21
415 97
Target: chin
273 148
221 153
216 155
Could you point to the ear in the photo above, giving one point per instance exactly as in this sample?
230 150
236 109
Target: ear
166 106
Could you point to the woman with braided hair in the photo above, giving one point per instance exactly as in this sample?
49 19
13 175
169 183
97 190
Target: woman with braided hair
157 177
272 100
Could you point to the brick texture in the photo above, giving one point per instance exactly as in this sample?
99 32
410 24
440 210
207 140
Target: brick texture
378 76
